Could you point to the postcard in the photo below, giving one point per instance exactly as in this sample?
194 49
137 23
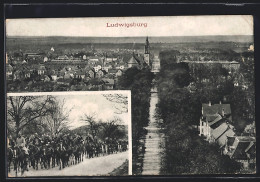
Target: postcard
192 89
69 134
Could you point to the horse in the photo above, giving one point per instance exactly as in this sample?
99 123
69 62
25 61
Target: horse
53 155
61 156
90 150
10 156
35 155
46 157
76 154
20 160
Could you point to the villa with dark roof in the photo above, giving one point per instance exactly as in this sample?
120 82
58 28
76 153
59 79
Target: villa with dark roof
215 123
215 127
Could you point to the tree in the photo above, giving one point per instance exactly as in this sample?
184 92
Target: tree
185 151
140 84
94 126
111 129
23 110
120 100
56 121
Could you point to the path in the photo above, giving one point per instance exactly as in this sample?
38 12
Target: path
153 141
89 167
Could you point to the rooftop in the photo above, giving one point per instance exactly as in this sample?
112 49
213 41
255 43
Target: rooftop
215 109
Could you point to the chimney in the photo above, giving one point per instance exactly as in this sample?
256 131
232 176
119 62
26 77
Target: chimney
220 102
209 103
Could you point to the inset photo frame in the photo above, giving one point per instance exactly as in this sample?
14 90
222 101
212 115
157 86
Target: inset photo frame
69 134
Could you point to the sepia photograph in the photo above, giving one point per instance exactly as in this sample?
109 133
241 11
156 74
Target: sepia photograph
192 83
69 134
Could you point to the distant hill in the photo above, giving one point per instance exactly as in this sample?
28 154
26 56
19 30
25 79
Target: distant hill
83 130
119 40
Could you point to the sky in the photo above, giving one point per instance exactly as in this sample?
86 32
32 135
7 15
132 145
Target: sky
155 26
90 104
87 102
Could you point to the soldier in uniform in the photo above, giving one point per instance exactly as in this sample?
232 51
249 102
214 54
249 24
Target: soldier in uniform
36 140
20 141
10 142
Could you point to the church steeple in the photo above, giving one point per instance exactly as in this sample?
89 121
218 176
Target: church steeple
147 46
147 52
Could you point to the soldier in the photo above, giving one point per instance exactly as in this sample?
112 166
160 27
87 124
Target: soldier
47 139
20 141
36 140
10 142
31 138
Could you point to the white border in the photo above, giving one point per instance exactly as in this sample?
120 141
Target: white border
127 92
129 134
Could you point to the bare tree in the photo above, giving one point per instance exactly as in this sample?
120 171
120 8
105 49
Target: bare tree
94 126
56 121
121 101
23 110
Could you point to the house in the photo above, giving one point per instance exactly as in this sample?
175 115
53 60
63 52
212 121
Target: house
79 74
112 72
93 58
65 57
60 81
22 72
110 59
97 68
24 62
27 73
96 84
220 131
89 72
242 149
54 77
45 59
67 75
34 57
41 70
119 73
135 61
121 65
100 73
215 122
108 84
18 75
213 109
47 78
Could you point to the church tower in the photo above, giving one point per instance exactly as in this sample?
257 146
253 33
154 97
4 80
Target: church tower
147 52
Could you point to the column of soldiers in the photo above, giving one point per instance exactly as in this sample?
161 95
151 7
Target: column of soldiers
63 150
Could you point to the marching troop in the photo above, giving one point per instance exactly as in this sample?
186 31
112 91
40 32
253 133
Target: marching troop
64 150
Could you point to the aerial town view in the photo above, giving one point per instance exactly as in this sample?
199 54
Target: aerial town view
192 96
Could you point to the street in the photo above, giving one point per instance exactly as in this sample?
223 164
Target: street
89 167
